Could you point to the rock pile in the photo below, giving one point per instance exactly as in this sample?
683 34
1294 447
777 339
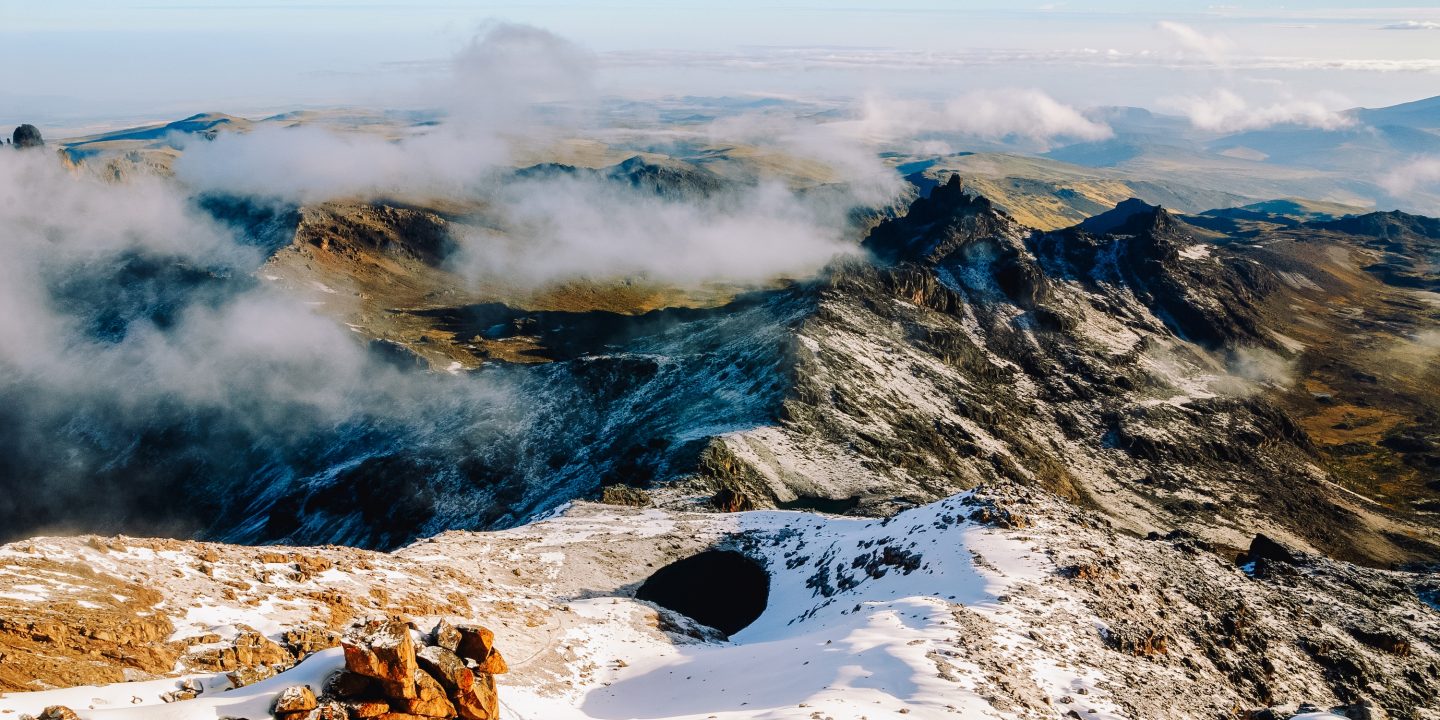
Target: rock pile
394 673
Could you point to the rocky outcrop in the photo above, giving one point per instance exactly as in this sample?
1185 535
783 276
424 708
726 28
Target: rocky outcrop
26 137
393 672
89 637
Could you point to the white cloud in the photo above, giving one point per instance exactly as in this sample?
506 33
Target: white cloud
520 88
224 344
579 227
310 164
1214 48
511 82
882 59
508 73
1412 25
992 115
1025 113
1418 174
1227 111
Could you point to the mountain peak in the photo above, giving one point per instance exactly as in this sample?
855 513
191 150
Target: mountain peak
1129 214
937 224
1391 223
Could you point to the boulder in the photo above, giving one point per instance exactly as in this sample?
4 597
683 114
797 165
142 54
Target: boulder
367 708
295 699
57 712
494 664
445 635
430 699
480 702
446 667
1364 710
624 495
253 648
729 500
476 643
385 651
1263 547
250 649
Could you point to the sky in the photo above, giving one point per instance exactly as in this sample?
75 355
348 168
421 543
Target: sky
74 62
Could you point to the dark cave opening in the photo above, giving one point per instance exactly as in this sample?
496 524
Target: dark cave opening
720 588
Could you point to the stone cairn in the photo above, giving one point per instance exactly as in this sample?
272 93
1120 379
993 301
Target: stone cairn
390 676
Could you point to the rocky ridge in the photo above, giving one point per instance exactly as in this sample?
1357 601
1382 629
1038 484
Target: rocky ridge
1001 602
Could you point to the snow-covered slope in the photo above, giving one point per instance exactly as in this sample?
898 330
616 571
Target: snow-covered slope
1028 610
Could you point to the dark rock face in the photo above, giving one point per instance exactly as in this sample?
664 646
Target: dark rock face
27 136
1265 548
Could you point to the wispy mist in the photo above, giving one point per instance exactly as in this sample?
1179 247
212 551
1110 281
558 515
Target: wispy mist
1227 111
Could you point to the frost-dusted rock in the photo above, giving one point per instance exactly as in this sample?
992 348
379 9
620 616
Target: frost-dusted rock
250 649
329 710
446 667
366 708
308 639
445 635
249 676
476 643
430 698
187 690
295 699
480 702
494 664
58 712
385 651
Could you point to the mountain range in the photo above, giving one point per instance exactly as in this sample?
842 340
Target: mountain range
1126 429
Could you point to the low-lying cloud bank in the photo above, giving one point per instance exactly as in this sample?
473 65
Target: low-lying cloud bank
1412 25
1419 174
1227 111
573 227
141 361
514 90
989 115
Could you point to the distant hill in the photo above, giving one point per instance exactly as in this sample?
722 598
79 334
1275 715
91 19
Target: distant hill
1421 114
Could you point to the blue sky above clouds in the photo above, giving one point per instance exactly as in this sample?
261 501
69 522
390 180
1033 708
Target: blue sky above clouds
77 61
